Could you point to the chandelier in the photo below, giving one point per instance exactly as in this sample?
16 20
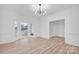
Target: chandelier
40 9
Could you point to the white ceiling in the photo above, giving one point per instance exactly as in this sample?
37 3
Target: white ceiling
26 9
60 7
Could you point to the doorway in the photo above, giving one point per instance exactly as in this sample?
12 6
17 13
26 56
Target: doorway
57 28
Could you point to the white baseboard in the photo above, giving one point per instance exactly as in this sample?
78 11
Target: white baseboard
72 43
9 41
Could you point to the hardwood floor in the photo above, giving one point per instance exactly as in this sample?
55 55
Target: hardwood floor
55 45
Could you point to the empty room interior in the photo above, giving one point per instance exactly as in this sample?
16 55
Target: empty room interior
39 28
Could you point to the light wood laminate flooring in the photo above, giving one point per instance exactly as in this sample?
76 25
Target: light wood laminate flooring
55 45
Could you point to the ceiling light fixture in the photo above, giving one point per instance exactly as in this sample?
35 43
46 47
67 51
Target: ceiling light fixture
40 9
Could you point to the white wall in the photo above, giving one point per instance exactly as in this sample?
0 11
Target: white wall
8 15
44 28
32 20
71 17
7 30
57 28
